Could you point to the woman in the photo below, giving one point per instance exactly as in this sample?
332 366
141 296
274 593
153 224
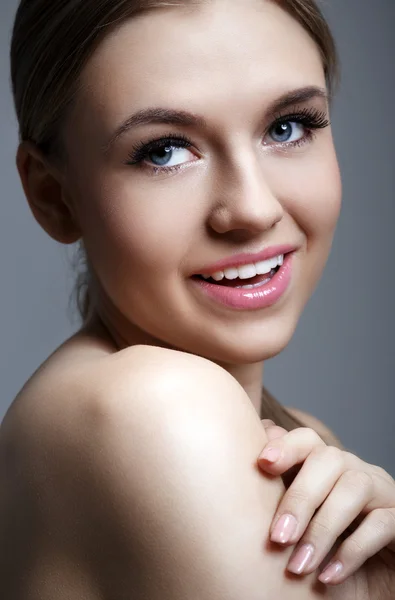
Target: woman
188 146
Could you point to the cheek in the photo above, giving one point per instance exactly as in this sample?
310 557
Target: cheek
134 226
313 197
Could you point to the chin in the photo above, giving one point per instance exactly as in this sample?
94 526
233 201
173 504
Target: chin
249 346
262 349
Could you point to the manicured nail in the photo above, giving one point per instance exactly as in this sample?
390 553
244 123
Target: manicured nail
301 559
284 529
270 454
331 571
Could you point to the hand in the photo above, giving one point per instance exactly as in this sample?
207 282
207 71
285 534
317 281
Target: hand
335 492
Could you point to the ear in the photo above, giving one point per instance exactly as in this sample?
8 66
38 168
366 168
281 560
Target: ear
46 194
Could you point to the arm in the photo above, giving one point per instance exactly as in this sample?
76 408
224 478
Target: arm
178 507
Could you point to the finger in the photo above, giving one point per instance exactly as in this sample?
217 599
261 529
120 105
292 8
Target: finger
375 533
320 476
315 480
272 430
292 448
351 493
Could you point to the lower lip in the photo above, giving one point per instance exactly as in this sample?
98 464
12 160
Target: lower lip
253 298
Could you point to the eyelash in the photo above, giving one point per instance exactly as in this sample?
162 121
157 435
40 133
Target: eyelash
311 119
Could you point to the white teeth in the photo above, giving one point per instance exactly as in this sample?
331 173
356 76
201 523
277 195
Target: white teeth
231 273
218 276
247 271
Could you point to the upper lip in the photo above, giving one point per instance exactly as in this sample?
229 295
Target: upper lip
237 260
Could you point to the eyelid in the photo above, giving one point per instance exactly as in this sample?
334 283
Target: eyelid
142 148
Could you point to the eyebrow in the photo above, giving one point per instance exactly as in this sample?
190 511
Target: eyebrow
158 115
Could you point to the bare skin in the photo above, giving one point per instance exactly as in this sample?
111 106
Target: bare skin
144 235
79 362
72 453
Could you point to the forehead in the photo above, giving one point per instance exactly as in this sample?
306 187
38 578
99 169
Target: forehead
179 57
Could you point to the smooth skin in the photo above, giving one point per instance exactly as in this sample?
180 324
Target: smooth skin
141 486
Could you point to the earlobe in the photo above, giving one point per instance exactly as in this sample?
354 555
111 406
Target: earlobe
44 192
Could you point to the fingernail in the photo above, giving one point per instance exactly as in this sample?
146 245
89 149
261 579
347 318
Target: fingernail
331 571
284 529
302 557
270 454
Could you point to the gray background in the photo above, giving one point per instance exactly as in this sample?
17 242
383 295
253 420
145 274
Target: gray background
340 363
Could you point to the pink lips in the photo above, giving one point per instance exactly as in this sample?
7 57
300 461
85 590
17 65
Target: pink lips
253 298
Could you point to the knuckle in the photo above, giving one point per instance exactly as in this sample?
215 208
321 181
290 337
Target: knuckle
312 435
335 454
306 430
353 548
357 479
297 497
384 519
380 472
351 459
316 454
320 528
329 453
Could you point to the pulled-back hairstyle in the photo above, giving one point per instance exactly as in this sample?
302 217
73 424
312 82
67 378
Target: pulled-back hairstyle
51 42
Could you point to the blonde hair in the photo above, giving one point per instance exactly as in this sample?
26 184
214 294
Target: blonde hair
51 42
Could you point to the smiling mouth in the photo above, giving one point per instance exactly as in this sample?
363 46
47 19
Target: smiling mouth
237 282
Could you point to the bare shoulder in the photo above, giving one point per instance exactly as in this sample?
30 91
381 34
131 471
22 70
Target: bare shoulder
125 469
77 387
70 397
84 369
79 391
311 421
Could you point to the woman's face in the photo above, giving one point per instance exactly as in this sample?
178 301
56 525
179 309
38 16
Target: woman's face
243 184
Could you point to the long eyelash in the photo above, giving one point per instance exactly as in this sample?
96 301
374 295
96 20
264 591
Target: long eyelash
310 118
142 149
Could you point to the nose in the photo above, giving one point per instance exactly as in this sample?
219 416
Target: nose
247 204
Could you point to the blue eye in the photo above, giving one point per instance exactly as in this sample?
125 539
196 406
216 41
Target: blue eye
165 155
160 153
283 131
162 159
